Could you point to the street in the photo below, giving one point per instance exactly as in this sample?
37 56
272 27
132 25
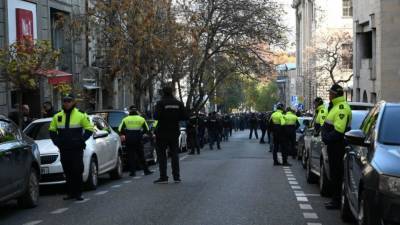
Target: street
236 185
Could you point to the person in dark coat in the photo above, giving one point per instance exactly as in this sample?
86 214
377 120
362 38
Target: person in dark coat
169 111
253 123
263 127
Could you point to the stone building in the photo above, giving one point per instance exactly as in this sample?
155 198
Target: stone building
314 19
376 50
45 16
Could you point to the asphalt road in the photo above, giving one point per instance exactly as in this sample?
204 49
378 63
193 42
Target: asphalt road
236 185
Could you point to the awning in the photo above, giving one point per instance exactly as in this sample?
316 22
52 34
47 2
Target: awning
55 77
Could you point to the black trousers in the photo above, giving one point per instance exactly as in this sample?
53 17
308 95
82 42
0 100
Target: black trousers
279 145
193 143
290 140
214 137
172 144
72 163
255 132
135 154
263 131
336 153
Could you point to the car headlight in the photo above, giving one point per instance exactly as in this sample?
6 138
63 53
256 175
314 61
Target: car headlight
389 184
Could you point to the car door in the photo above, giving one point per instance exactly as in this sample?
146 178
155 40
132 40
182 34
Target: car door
358 155
10 159
100 145
110 144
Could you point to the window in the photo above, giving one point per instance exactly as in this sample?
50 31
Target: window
347 8
8 132
38 131
390 127
347 56
366 45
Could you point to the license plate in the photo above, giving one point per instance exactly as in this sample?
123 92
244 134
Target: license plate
44 170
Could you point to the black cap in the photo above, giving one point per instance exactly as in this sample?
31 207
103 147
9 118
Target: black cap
69 96
280 105
132 108
336 89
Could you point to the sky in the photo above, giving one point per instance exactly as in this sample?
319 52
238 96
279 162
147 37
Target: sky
290 21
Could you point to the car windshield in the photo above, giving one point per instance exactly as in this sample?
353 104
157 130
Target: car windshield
357 118
115 118
390 126
38 131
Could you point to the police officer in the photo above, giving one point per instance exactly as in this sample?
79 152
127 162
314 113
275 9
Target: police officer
291 125
332 132
69 130
253 123
277 122
169 112
263 127
320 115
192 134
131 130
213 127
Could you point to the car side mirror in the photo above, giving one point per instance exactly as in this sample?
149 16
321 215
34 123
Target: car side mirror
100 134
355 137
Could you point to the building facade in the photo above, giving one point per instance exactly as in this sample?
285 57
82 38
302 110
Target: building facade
45 17
376 50
315 20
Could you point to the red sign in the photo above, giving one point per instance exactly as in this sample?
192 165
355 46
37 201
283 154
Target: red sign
24 24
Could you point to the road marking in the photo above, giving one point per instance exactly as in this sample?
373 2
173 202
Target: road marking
101 193
33 222
288 172
83 201
295 187
314 223
116 186
300 195
310 215
289 175
305 206
302 199
293 182
313 195
137 177
58 211
127 181
291 178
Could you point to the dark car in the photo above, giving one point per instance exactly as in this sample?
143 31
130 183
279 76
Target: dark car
19 166
371 184
300 132
114 118
316 153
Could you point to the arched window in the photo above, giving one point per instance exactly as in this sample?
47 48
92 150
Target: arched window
365 97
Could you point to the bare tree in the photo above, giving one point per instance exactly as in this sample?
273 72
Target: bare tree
334 54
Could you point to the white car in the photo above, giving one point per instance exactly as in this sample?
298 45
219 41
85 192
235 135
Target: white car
102 154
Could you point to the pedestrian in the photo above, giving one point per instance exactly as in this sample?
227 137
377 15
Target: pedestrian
269 127
332 132
132 129
277 122
47 109
213 130
253 124
263 127
169 111
192 134
291 125
202 130
320 115
226 127
69 129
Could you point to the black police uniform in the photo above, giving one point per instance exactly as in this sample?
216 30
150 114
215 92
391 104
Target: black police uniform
253 122
192 133
169 112
213 127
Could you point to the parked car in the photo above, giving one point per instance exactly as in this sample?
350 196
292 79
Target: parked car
114 118
102 154
300 132
317 166
19 166
371 184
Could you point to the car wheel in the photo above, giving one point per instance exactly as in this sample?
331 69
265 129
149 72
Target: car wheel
310 176
366 216
93 177
304 158
345 212
31 196
117 172
323 181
